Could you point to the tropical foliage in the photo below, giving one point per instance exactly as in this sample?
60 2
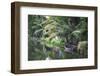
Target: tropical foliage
57 37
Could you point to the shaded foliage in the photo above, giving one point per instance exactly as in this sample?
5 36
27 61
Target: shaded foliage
56 37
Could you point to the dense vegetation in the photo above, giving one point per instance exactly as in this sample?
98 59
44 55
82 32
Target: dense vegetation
57 37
